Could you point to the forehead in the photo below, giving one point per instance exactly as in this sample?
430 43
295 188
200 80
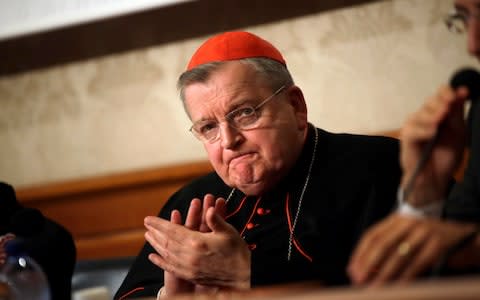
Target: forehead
231 82
233 73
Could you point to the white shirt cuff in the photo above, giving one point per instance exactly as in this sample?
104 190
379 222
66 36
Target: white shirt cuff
159 294
433 209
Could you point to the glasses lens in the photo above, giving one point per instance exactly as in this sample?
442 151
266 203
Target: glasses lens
456 23
243 118
205 130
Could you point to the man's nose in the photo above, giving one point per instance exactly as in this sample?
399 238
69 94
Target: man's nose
229 135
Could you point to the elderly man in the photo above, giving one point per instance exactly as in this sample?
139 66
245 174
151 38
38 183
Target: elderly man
416 241
287 201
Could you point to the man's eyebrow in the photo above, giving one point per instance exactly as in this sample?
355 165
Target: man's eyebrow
243 101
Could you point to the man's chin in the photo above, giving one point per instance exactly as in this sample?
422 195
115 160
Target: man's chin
252 188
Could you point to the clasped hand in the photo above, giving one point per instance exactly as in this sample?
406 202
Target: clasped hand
203 254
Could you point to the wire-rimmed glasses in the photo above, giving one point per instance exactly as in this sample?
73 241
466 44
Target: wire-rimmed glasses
243 118
458 20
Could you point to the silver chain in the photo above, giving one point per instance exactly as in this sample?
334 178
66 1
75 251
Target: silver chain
230 196
290 240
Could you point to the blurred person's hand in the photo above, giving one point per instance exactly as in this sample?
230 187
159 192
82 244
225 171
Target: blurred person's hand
401 248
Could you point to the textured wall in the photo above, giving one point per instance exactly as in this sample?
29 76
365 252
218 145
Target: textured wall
362 69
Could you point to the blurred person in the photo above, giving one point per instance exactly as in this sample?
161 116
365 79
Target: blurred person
287 201
47 242
430 236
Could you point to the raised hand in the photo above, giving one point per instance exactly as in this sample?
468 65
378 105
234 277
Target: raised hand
193 256
172 284
441 115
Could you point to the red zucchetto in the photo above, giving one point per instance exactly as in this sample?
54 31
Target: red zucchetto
234 45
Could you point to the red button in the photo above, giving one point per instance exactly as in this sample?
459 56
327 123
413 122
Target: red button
260 211
250 225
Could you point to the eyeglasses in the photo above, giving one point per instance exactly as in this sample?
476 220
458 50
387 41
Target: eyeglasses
457 21
243 118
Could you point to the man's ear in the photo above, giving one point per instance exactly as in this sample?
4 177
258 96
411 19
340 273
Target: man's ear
297 101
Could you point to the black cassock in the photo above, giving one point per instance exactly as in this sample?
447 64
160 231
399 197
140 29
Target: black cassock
353 184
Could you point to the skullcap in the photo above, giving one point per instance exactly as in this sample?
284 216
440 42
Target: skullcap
234 45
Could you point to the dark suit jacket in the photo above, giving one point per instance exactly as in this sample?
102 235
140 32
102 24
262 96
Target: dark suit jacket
464 201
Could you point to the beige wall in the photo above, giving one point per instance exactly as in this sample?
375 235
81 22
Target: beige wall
362 69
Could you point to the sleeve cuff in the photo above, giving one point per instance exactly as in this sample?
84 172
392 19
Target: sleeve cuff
160 293
433 209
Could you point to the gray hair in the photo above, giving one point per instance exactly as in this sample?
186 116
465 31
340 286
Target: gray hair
273 72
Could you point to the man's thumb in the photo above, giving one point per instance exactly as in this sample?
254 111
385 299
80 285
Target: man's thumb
215 222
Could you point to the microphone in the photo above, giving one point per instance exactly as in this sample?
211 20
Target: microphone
470 78
467 77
